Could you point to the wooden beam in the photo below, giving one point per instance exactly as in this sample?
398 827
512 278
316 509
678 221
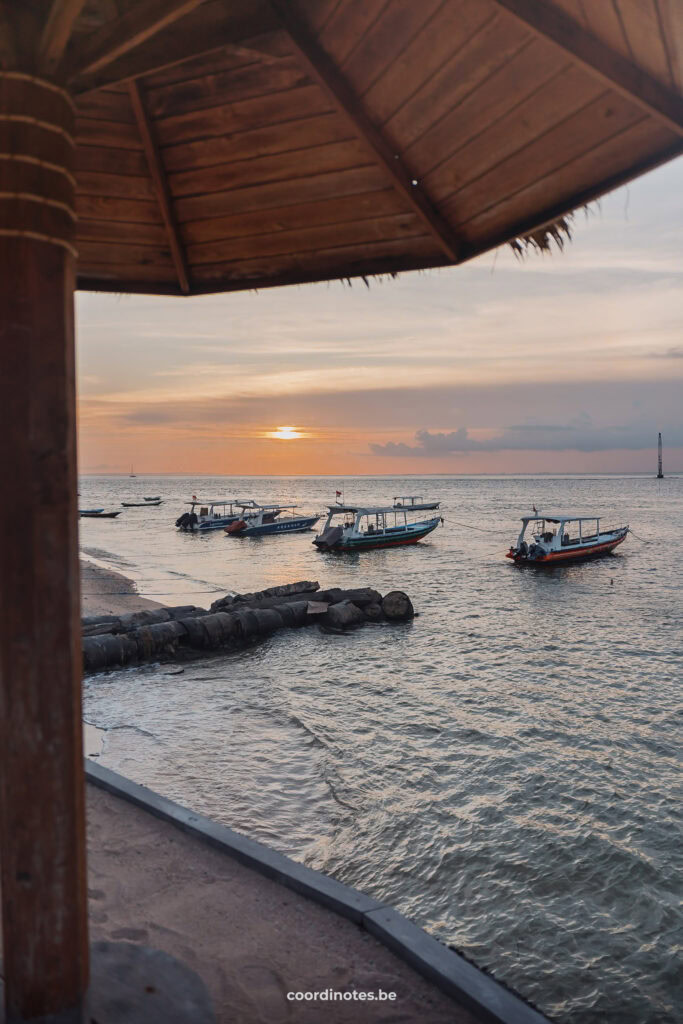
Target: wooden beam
215 30
616 71
324 72
158 173
57 32
168 49
132 29
8 53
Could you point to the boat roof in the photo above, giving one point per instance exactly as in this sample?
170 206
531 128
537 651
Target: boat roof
366 509
216 501
256 505
553 517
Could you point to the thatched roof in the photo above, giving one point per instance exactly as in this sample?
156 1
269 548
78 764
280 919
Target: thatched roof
227 145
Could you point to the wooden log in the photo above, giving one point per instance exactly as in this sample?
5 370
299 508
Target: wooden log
42 821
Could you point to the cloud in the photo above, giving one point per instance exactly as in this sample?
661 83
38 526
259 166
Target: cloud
579 435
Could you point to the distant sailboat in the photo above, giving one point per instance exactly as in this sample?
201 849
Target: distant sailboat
660 474
131 471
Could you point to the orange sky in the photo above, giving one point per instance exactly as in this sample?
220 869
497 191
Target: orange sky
569 363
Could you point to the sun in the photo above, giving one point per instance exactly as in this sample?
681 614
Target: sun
286 433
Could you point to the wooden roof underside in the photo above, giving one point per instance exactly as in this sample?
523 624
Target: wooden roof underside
230 144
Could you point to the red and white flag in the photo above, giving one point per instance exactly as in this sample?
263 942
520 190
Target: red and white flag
338 494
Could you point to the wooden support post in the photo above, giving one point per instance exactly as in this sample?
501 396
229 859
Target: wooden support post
42 833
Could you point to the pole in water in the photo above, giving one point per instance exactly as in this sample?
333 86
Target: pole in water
660 474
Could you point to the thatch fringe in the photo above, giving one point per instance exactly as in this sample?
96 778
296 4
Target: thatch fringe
541 239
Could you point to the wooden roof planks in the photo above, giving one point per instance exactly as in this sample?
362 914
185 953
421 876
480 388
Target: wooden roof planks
263 142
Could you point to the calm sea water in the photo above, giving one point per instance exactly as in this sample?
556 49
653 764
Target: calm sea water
504 770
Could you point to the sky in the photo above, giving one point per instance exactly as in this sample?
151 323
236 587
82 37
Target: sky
569 363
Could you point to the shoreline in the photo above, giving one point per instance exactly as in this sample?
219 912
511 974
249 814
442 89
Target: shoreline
106 592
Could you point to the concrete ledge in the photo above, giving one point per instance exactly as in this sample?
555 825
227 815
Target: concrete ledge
449 971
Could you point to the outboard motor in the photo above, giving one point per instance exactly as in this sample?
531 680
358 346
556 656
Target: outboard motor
329 538
181 521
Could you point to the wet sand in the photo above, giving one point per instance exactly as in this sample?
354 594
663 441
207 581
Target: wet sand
104 592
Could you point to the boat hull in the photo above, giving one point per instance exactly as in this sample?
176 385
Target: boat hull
299 525
390 539
576 554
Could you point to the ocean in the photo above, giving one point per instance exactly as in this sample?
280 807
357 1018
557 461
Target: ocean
504 769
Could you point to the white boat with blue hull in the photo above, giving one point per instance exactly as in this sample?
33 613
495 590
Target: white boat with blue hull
261 523
216 514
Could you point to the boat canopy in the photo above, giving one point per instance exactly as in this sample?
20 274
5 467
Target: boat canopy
218 501
366 510
262 508
553 518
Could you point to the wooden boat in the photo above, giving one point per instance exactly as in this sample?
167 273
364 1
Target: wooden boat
414 502
554 540
157 497
140 504
264 522
90 511
218 513
97 513
371 527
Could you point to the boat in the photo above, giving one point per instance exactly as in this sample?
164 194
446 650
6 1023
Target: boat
90 511
157 497
140 504
217 513
414 502
97 513
131 472
556 539
265 520
371 527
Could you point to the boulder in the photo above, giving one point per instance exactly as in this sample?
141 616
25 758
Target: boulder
343 615
373 612
397 606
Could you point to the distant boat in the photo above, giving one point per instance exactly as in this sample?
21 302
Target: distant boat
660 474
140 504
553 540
372 527
157 497
90 511
97 513
262 522
131 472
414 502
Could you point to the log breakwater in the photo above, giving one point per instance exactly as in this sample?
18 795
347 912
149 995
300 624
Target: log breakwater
234 621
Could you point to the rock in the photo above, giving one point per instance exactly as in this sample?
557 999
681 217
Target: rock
261 597
373 612
343 615
397 606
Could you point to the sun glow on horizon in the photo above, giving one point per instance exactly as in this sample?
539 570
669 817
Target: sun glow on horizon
285 434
